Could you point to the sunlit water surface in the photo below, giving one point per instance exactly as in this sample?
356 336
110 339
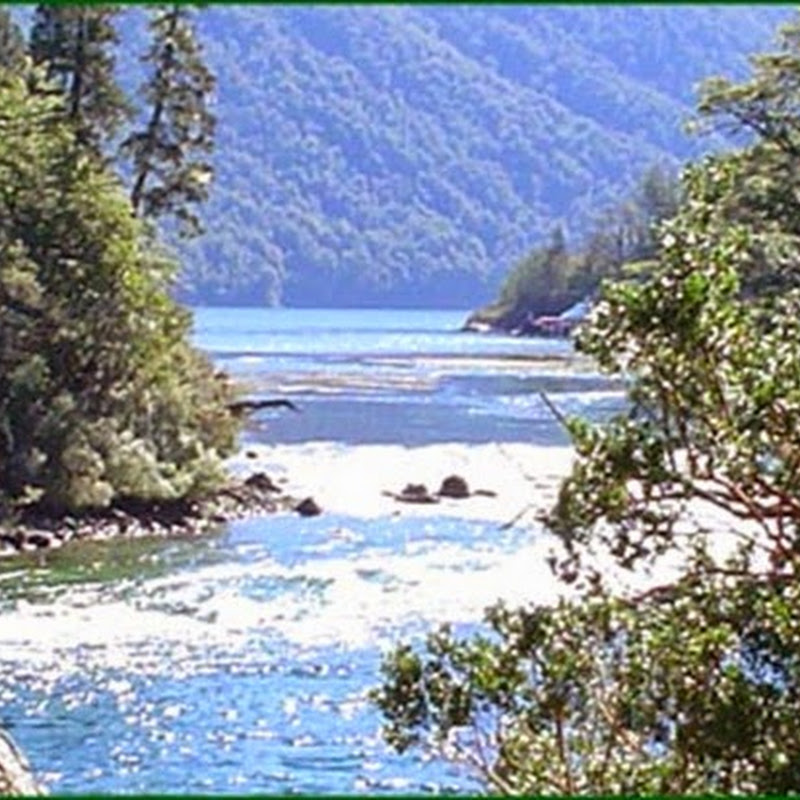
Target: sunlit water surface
241 661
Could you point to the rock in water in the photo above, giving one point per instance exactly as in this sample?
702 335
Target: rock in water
454 486
15 772
308 508
39 539
415 493
262 482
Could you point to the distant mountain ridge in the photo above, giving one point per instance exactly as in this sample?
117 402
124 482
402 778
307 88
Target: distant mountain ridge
408 155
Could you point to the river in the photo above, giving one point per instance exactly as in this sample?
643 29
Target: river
239 662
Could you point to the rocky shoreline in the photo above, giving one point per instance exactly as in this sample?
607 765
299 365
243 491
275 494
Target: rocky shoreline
34 530
16 778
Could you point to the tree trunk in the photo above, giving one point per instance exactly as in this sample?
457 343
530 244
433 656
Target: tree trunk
137 193
76 89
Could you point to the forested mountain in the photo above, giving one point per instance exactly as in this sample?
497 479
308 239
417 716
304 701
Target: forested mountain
396 155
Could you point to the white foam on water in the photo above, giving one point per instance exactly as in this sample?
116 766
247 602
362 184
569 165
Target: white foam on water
252 359
412 567
353 480
353 602
585 398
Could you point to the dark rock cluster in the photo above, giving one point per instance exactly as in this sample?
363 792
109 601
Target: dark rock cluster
453 487
36 530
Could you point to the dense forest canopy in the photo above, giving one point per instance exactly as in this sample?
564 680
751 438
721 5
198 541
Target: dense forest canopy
410 155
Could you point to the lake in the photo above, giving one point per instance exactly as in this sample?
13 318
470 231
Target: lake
240 662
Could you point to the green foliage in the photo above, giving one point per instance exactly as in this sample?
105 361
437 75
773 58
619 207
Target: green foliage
170 156
687 687
711 342
75 46
538 283
100 395
166 154
550 279
687 691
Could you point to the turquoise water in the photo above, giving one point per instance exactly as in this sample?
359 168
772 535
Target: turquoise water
240 662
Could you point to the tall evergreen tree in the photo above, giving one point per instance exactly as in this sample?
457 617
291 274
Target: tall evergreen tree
170 155
75 44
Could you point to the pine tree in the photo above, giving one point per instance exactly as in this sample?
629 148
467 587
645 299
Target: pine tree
75 45
170 156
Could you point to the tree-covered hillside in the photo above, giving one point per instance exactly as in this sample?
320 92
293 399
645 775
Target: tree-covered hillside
410 155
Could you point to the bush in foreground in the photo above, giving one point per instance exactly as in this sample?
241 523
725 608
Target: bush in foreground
689 686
